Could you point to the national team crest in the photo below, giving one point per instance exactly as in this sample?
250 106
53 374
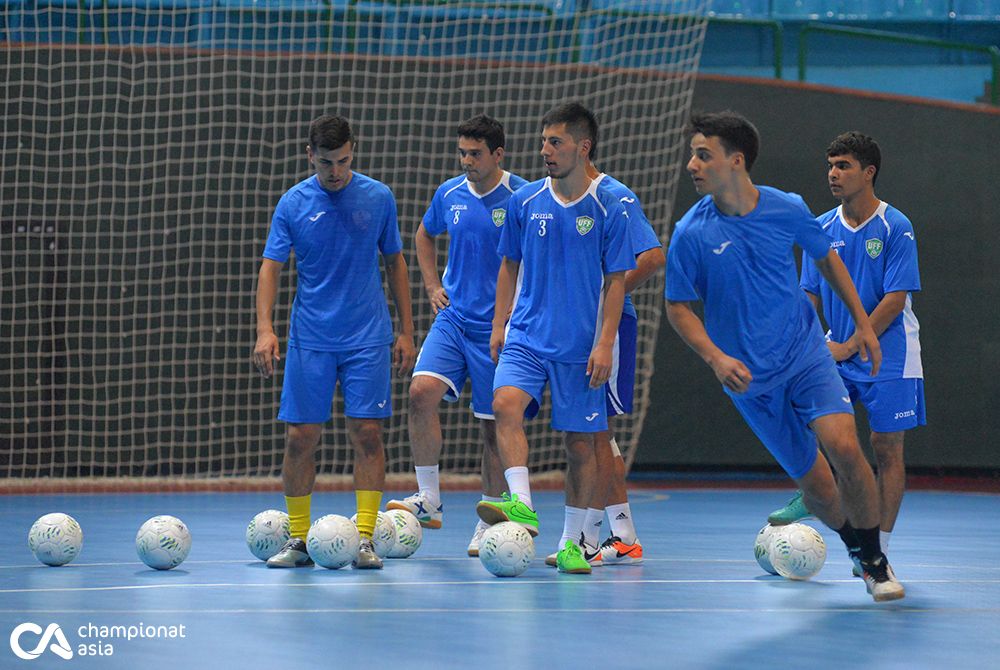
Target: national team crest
873 247
499 216
584 224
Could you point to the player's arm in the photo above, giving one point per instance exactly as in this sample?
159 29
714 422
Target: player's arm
600 361
427 262
404 352
266 350
885 312
730 372
646 265
506 283
864 341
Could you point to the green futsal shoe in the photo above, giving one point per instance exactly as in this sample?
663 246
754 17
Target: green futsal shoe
509 509
570 559
794 510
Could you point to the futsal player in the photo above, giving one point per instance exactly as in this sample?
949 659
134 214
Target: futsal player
761 336
338 222
471 209
565 248
877 244
622 547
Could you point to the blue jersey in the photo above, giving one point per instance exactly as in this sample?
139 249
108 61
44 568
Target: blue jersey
640 229
473 223
881 257
564 251
743 269
339 302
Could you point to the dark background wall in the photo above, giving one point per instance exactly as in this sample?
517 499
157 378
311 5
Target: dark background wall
941 167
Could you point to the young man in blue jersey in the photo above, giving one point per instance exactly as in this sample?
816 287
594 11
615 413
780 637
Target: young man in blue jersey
471 209
878 246
565 248
761 336
338 222
609 493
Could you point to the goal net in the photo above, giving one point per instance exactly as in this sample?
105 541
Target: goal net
144 147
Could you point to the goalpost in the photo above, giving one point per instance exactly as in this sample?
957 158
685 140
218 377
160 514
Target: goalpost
143 151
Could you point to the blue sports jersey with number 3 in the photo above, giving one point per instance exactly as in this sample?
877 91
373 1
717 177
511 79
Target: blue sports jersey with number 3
564 251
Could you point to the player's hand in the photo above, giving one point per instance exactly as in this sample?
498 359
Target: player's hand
404 354
265 354
841 351
496 342
439 299
732 373
869 348
599 365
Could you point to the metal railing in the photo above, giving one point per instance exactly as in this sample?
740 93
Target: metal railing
991 51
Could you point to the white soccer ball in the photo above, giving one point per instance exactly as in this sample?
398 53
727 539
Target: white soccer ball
797 551
384 537
267 533
163 542
55 539
762 548
506 549
333 541
409 534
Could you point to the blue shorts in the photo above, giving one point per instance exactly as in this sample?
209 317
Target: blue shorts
892 405
452 354
620 388
780 417
311 377
576 407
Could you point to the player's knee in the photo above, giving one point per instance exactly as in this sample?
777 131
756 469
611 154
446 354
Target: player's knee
367 435
300 441
888 447
506 408
579 448
424 395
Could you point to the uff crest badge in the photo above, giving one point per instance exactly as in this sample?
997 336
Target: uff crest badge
584 224
499 216
873 247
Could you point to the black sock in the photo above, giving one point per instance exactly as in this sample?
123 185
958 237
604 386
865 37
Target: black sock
868 540
849 537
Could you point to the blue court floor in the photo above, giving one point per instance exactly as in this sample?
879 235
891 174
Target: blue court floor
698 601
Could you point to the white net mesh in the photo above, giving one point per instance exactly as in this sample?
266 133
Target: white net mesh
144 147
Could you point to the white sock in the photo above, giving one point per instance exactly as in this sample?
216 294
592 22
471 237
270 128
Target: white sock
517 482
572 525
592 526
429 482
883 540
620 517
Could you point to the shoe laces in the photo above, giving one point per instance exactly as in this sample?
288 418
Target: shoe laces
878 569
366 545
610 542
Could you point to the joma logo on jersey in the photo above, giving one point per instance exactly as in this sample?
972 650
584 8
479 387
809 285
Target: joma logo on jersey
873 247
541 215
499 216
837 243
455 208
584 224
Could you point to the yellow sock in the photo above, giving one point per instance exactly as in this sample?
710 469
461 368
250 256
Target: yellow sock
368 504
299 515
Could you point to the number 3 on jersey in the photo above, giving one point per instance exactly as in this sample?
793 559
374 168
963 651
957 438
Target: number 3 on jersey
541 228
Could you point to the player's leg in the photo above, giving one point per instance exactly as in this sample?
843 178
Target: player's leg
492 479
439 373
366 385
424 423
888 448
580 412
894 406
509 405
622 547
306 396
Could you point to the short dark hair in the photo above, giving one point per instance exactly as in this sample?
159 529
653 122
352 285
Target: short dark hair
484 128
330 132
734 131
862 147
580 122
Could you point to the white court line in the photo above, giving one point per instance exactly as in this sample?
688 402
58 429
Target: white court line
471 582
894 608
